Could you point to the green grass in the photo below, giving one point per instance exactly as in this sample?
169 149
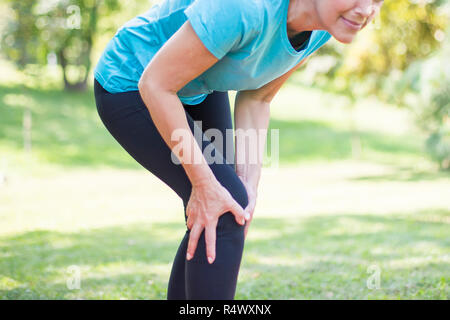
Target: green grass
323 219
316 257
67 132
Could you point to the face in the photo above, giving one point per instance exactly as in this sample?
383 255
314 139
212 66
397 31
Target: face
343 19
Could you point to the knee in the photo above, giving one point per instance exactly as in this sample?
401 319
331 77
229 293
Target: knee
227 222
239 193
229 235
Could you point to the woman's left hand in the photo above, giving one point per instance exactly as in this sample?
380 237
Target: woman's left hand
252 193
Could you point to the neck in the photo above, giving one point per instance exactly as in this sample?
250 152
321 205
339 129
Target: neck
302 16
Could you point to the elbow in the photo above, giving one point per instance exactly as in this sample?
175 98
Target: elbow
254 96
147 87
143 85
147 84
267 100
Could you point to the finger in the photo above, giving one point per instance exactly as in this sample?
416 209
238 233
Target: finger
239 214
250 207
190 221
210 239
193 240
251 210
247 226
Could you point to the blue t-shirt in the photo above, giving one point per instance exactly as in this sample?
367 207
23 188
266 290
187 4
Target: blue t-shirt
248 37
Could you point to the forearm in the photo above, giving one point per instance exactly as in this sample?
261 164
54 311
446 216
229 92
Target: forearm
168 115
251 122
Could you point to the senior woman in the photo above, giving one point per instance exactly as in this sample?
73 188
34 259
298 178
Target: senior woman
169 69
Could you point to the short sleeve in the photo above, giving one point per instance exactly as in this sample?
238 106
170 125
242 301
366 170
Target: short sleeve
224 25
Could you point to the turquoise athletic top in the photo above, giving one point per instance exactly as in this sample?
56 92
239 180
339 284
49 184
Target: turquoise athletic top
248 37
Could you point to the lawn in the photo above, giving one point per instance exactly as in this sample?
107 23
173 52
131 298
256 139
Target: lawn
328 224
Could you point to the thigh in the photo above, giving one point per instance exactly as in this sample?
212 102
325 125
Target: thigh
214 113
129 122
127 119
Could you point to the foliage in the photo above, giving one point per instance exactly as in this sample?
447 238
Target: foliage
425 89
20 42
433 115
393 58
59 30
405 31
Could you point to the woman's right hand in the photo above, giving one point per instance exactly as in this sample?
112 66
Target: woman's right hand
208 201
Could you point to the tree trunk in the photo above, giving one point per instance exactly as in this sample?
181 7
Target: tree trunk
81 84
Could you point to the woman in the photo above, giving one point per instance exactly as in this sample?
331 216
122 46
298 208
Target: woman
172 66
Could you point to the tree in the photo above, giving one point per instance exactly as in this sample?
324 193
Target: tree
65 28
20 42
425 90
404 32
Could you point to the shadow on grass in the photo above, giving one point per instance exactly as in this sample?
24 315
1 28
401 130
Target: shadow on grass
310 140
405 173
295 258
68 131
38 257
325 257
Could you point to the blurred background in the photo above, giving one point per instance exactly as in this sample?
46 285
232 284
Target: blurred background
359 207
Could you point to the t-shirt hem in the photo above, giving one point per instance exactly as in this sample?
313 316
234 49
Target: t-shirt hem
102 81
192 100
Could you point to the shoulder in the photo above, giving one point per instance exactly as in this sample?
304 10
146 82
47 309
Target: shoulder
225 25
232 11
272 9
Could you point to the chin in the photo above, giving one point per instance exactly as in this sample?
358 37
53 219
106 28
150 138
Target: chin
344 38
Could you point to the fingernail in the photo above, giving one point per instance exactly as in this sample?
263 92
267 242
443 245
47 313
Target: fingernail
188 256
247 216
210 260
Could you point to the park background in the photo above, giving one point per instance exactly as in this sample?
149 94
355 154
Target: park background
359 207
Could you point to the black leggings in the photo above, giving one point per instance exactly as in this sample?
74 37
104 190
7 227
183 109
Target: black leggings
128 121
